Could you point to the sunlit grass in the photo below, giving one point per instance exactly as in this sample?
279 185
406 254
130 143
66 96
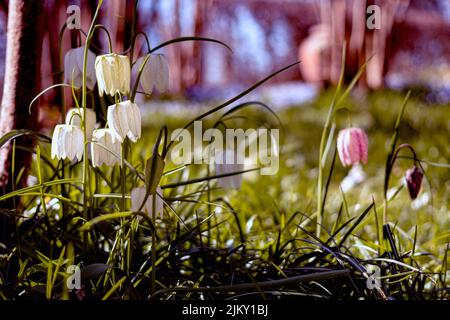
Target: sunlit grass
262 232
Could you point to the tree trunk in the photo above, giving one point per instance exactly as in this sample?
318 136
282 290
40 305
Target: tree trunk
22 75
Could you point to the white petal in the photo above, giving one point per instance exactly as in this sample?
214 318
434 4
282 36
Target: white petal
65 143
161 73
137 197
56 138
113 120
134 122
159 202
70 68
125 75
79 143
145 80
99 75
123 113
91 120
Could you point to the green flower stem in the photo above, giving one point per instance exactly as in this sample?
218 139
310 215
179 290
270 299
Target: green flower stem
63 102
138 77
153 284
320 205
83 105
133 32
209 204
391 165
147 41
123 174
391 155
325 133
63 106
99 26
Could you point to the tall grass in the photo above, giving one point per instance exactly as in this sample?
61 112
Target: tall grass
297 234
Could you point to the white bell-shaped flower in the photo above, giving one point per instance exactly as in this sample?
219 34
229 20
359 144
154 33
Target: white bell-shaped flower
74 116
125 119
227 162
73 68
138 196
113 74
67 142
105 147
155 73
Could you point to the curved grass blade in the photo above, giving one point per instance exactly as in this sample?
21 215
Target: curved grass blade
182 39
357 222
250 103
183 183
22 132
235 98
44 91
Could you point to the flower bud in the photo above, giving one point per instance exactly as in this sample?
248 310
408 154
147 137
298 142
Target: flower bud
73 68
125 119
352 145
413 178
113 74
105 147
67 142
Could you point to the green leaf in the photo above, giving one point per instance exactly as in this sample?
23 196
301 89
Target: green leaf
182 39
183 183
235 98
394 143
92 271
154 167
26 190
22 132
44 91
153 172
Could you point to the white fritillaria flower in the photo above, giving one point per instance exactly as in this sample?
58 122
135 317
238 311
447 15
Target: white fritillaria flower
104 147
113 74
227 162
138 196
125 119
67 142
155 73
75 115
73 68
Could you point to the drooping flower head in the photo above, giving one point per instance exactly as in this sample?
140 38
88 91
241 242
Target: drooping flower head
352 146
105 147
413 179
125 119
138 196
113 74
155 73
75 115
67 142
73 68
